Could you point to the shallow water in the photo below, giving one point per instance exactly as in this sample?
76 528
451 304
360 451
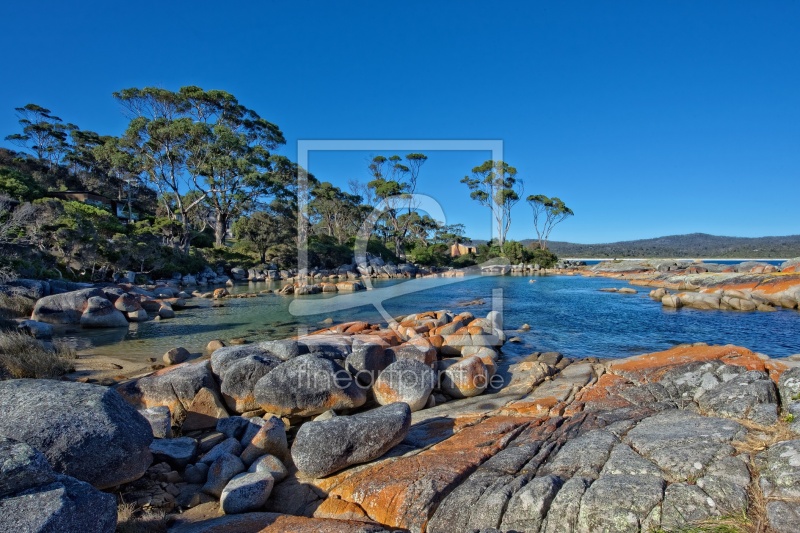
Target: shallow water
567 314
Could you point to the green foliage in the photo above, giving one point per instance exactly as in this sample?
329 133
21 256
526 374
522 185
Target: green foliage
17 185
433 255
514 252
172 260
544 258
547 213
326 252
379 249
494 184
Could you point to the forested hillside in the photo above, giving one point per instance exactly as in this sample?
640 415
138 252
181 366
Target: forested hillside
691 245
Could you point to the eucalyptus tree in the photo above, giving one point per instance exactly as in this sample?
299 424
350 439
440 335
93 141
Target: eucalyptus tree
547 213
43 133
204 141
159 137
495 185
394 183
230 155
334 211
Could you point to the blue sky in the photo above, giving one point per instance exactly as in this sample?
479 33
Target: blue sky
647 118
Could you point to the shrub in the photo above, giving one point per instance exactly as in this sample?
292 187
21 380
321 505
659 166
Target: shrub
129 520
545 258
22 356
15 306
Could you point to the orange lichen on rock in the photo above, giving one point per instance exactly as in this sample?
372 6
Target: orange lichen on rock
649 367
539 407
779 283
340 510
405 492
604 394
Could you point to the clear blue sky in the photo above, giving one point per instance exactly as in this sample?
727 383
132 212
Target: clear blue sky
648 118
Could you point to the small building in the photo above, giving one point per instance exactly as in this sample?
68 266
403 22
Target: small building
119 209
458 249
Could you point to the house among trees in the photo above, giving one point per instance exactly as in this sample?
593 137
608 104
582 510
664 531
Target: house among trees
458 249
119 209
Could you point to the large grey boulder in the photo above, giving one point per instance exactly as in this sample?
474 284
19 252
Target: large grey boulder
229 446
269 439
327 346
64 506
174 387
34 498
621 503
238 380
271 464
224 357
39 330
248 491
780 470
683 443
29 288
284 349
160 421
65 308
85 431
22 467
405 380
307 385
324 447
101 313
789 388
366 362
528 506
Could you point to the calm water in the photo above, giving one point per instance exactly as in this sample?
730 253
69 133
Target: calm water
566 314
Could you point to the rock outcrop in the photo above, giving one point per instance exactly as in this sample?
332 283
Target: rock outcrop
321 448
85 431
307 385
34 498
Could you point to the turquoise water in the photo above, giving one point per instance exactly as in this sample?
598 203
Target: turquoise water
566 314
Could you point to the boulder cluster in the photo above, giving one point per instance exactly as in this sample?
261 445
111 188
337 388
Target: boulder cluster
105 306
358 428
342 396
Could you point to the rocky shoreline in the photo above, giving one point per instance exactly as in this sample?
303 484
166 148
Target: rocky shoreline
747 286
422 426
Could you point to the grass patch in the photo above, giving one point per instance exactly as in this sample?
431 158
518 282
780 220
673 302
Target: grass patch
15 306
740 523
760 437
717 525
22 356
129 520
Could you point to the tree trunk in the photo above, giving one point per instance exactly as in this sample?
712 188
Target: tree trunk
220 229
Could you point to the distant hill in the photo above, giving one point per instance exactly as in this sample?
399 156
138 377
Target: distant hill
692 245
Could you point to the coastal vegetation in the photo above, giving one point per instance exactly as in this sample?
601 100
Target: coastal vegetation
195 180
23 356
